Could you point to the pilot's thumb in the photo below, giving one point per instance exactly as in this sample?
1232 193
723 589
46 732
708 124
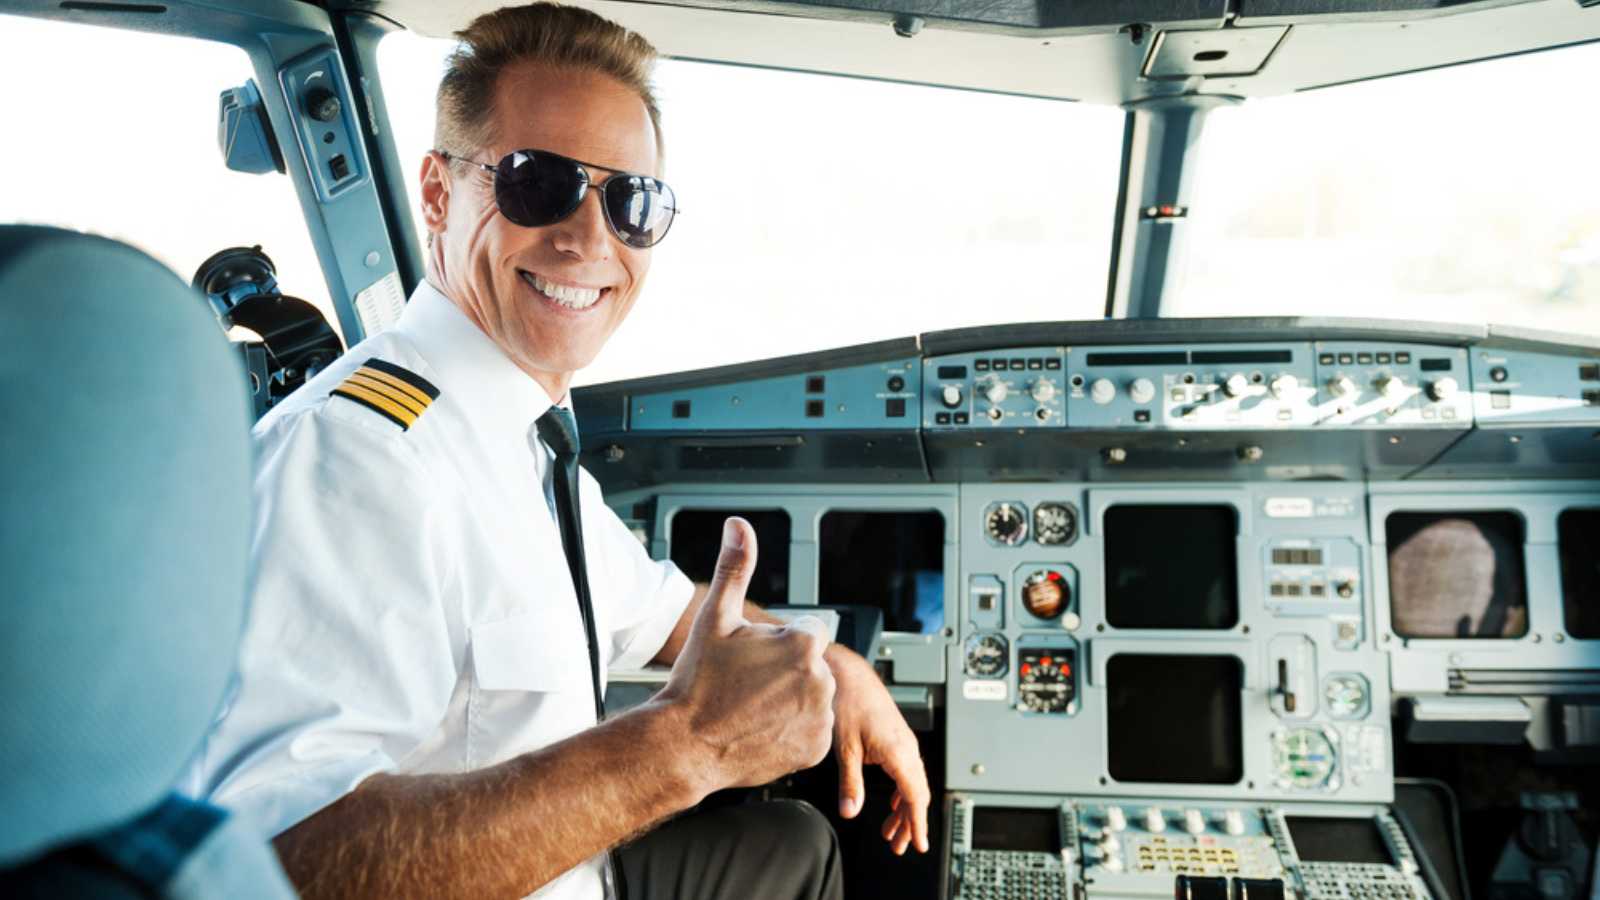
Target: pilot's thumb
723 611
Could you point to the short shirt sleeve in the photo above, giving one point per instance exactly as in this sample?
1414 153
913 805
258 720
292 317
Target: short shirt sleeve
645 597
347 661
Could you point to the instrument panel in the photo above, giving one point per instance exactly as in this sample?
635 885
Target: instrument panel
1178 600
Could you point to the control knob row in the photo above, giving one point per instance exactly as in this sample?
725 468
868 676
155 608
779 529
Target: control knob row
1155 822
1393 387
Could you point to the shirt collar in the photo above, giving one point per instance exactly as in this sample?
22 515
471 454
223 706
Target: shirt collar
470 367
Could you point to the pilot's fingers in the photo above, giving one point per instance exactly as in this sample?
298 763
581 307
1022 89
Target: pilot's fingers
814 632
851 789
896 800
891 826
723 609
905 767
902 835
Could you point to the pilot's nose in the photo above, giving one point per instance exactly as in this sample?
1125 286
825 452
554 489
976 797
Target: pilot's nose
584 235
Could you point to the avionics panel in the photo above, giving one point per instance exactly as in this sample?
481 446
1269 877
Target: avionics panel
1171 566
1052 846
1216 387
696 540
893 548
1370 384
1578 531
1156 704
874 396
1018 388
1456 574
1469 596
1217 689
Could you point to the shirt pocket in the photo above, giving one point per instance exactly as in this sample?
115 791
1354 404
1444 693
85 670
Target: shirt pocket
529 652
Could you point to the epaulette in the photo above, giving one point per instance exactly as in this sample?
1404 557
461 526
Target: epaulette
398 395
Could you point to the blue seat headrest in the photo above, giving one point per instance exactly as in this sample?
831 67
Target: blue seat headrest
124 532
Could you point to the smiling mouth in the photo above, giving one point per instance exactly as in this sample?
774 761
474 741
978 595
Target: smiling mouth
565 296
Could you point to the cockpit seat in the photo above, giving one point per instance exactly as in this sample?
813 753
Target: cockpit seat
124 539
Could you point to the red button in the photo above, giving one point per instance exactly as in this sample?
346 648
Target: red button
1026 668
1045 661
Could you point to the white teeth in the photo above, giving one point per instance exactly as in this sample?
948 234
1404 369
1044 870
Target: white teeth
570 297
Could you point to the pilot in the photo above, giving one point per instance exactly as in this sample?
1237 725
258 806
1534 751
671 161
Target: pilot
415 712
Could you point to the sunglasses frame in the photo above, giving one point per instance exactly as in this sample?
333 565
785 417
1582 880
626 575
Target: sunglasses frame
585 183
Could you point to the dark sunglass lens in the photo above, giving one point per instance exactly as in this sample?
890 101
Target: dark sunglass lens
534 189
640 208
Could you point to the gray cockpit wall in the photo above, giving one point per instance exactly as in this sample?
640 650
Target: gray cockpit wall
1166 62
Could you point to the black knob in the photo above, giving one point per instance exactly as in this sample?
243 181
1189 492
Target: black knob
1499 373
896 384
322 104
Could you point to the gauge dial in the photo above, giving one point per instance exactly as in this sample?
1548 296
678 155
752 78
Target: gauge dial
988 655
1346 696
1044 679
1054 523
1046 594
1305 758
1006 523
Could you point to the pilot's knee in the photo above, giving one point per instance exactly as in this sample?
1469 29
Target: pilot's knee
804 826
810 848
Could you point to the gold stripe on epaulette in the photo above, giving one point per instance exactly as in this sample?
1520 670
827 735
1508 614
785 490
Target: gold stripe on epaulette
397 394
396 385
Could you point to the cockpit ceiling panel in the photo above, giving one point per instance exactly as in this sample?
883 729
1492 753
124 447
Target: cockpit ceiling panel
1078 51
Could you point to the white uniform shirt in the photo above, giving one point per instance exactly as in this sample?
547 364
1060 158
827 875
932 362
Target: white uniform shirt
413 611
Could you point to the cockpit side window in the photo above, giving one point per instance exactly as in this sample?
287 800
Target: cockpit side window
122 141
823 211
1464 194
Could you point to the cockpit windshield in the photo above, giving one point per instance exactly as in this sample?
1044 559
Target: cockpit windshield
823 211
1464 194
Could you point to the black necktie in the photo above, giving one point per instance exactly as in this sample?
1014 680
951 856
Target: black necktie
558 429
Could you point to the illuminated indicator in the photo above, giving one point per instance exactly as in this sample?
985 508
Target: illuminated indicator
1297 556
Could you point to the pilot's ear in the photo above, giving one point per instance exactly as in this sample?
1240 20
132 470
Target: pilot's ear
435 191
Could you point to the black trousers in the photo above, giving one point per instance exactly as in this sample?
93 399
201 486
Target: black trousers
780 850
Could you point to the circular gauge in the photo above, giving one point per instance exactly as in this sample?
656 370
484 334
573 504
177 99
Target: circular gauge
988 655
1054 523
1006 523
1044 680
1305 758
1046 594
1346 696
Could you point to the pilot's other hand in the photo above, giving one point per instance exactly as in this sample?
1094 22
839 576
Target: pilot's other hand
868 729
757 697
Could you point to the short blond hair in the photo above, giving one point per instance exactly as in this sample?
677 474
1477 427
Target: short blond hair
545 33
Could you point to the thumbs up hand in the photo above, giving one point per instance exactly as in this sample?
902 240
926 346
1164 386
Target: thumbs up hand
758 698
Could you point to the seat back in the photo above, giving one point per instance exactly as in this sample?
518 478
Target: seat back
124 539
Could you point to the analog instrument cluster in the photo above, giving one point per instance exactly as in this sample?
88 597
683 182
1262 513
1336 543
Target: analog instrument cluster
1007 523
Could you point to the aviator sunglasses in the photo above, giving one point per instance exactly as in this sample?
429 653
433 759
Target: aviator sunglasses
534 188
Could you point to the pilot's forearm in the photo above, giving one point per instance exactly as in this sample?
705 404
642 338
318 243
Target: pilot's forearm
502 831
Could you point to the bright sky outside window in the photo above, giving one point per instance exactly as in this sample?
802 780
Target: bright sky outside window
132 150
821 212
1467 194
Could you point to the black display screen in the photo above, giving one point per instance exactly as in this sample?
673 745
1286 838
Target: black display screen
891 560
1171 567
1578 532
1456 575
697 540
1319 839
1012 828
1175 719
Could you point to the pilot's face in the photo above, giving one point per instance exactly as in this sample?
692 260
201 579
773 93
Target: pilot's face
499 272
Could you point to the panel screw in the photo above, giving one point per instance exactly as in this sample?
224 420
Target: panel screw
977 768
1115 455
1251 453
614 454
